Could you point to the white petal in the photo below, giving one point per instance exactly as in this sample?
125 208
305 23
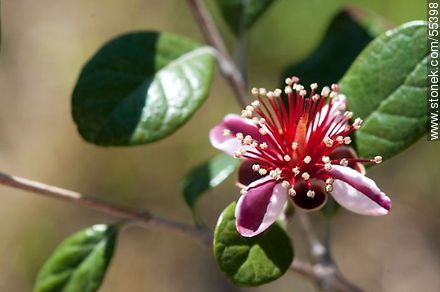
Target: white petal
358 193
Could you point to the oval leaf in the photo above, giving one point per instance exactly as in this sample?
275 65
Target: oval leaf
251 261
79 263
141 87
232 11
206 176
387 87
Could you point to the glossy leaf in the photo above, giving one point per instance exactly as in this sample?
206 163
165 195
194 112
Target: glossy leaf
232 11
387 87
344 39
79 263
251 261
206 176
141 87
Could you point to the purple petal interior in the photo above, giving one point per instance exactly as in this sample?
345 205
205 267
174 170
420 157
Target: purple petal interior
254 205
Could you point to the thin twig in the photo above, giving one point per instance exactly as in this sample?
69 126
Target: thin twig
213 37
141 217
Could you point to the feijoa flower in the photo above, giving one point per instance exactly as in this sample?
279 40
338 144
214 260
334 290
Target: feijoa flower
296 145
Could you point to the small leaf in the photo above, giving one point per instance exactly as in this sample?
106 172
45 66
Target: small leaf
141 87
232 11
206 176
344 40
387 87
251 261
79 263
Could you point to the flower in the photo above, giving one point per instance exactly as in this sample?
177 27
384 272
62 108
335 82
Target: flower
295 146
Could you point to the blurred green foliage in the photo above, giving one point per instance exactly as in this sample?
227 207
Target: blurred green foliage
44 44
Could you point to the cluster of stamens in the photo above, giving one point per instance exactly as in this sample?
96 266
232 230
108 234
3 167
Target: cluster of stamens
300 131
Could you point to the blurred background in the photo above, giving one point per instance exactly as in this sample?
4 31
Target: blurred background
44 45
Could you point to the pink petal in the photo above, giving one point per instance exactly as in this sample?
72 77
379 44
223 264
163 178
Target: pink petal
226 143
235 124
358 193
259 207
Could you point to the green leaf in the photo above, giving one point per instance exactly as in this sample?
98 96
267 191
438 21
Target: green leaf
79 263
387 87
232 11
141 87
251 261
206 176
344 40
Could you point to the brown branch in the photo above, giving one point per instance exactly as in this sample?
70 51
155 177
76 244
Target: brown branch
213 37
141 217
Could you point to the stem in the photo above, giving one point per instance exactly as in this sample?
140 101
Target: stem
142 217
327 239
324 271
213 38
